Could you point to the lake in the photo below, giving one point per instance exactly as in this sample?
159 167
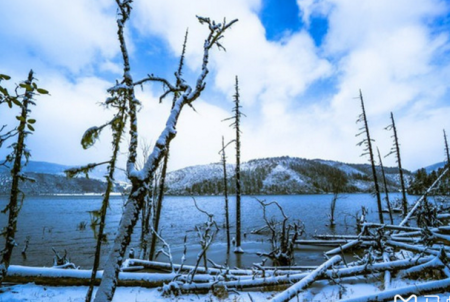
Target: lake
54 221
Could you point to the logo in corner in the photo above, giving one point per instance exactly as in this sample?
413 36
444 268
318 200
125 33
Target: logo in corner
412 298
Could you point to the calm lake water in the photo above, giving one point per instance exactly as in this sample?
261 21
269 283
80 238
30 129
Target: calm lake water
53 221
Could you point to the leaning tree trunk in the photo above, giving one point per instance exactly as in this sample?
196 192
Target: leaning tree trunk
400 170
225 192
162 182
385 188
14 203
118 132
140 180
369 150
447 152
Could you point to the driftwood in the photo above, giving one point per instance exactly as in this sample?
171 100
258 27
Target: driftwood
292 291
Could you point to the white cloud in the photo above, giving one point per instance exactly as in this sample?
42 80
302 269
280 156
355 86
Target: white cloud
388 49
70 34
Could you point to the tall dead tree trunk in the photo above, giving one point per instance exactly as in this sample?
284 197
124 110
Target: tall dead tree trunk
396 149
117 125
386 192
141 179
447 151
162 180
236 125
225 193
368 150
18 158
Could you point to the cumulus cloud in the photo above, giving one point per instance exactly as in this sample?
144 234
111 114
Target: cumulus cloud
393 51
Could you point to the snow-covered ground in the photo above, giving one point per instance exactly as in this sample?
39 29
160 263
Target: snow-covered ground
319 291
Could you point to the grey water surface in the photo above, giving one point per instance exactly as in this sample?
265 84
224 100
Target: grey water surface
56 221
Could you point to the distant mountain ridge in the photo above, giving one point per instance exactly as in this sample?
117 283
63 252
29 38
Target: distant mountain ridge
50 179
277 175
280 175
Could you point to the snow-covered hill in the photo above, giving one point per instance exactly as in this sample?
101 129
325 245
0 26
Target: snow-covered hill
280 175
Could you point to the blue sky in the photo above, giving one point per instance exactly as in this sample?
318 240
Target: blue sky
300 65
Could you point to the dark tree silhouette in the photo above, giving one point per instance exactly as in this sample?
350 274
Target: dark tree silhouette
17 159
368 150
386 192
236 125
396 150
225 192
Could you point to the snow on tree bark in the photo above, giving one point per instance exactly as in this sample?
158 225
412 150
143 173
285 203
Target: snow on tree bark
19 155
141 179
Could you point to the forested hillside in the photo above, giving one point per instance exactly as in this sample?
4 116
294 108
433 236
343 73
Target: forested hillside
280 175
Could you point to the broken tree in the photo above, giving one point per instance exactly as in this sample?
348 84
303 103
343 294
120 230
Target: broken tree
140 179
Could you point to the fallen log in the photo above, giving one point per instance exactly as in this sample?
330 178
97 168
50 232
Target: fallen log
391 227
200 270
412 248
347 237
416 205
329 274
74 277
387 273
292 291
405 292
321 242
344 247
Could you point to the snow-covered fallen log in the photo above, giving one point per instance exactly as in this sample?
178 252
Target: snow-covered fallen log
344 247
419 201
305 282
200 270
405 292
289 279
72 277
390 227
347 237
413 248
387 274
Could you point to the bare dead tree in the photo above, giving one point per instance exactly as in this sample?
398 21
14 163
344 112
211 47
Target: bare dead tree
236 125
282 240
367 142
332 208
386 192
140 179
162 180
447 152
206 234
225 192
117 101
396 150
23 98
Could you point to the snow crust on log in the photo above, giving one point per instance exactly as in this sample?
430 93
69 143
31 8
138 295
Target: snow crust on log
43 275
305 282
